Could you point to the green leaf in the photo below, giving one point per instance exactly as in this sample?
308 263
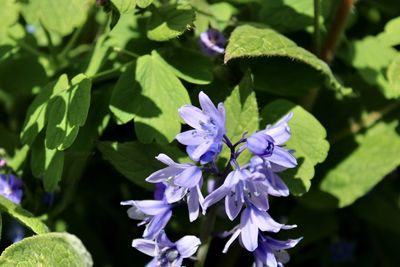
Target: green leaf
169 21
391 35
258 41
241 115
190 66
137 161
36 116
54 165
287 15
23 216
122 99
51 249
9 13
223 13
63 16
67 111
124 6
143 3
47 163
371 58
368 164
393 73
308 141
157 117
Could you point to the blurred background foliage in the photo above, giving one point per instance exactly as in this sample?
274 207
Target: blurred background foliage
89 93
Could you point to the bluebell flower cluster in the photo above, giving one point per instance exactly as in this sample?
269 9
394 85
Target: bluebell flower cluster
245 189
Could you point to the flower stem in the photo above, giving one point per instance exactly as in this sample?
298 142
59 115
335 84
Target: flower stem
331 42
336 30
205 236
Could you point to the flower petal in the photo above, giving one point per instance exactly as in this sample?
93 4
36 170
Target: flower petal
282 157
163 174
233 205
157 224
188 245
152 207
249 234
145 246
214 197
189 177
281 244
209 108
230 241
280 131
174 193
190 138
200 150
193 204
193 116
264 221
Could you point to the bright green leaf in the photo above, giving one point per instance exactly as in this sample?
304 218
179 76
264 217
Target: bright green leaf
22 215
143 3
222 13
9 13
241 114
63 16
258 41
391 35
169 21
52 249
190 66
161 94
377 154
393 74
124 6
371 58
137 161
307 140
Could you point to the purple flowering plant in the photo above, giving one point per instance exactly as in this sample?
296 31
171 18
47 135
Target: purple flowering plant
246 189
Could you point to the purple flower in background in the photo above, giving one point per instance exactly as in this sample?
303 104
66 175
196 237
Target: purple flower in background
271 252
212 42
251 221
266 143
165 252
3 163
11 187
180 180
205 141
154 213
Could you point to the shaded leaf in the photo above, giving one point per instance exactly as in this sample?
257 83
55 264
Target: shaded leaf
258 41
169 21
190 66
368 164
137 161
